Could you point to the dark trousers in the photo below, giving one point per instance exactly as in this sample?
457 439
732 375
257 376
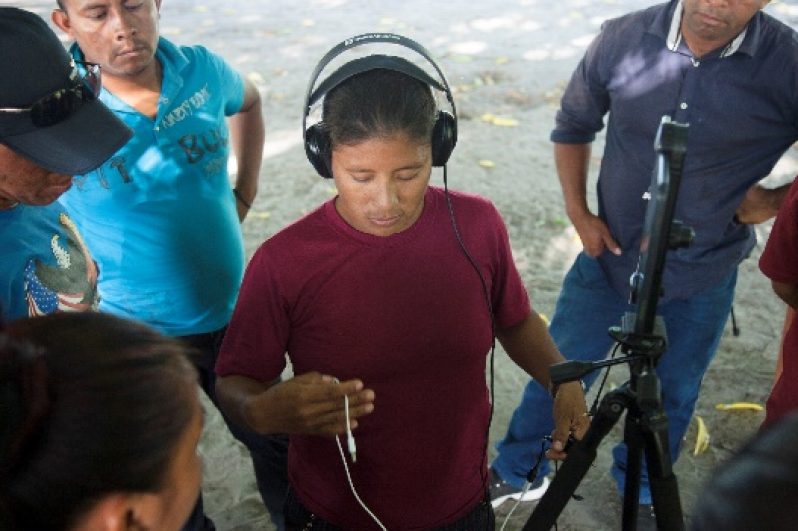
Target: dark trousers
268 452
299 518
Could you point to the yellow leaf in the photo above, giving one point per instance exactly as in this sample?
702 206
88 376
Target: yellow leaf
505 122
751 406
499 120
702 437
485 163
259 215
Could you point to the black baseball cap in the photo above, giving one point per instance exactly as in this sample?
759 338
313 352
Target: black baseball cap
33 65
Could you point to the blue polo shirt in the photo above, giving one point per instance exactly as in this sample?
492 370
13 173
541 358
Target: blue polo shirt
159 216
741 103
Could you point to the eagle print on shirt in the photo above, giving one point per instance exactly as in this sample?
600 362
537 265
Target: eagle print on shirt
68 286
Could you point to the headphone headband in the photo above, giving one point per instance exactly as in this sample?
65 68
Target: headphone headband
312 96
368 63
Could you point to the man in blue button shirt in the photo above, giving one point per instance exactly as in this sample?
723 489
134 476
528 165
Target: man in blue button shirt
731 72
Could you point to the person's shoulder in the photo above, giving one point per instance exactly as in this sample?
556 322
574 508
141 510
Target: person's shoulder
50 211
189 52
783 37
299 232
465 201
302 241
17 223
194 54
460 196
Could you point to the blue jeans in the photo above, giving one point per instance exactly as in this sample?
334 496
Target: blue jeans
586 308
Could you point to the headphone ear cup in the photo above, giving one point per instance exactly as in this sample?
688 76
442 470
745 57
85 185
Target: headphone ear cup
317 149
444 138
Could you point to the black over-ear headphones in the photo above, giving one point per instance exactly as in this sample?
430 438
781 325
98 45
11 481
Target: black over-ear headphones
318 146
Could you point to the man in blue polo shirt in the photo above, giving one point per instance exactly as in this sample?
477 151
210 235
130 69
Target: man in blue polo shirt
160 216
731 72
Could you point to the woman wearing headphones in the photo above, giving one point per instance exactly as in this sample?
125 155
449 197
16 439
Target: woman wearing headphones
99 424
387 299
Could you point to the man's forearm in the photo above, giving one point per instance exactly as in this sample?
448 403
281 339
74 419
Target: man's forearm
531 347
248 134
760 203
235 395
572 161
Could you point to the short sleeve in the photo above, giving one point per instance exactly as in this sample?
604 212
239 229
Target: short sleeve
231 83
509 296
586 99
779 260
256 339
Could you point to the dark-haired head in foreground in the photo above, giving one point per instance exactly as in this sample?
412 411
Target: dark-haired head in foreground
99 424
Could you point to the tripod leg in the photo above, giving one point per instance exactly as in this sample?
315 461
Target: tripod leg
664 488
633 438
580 457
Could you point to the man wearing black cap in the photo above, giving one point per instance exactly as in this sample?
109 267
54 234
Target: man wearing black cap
51 127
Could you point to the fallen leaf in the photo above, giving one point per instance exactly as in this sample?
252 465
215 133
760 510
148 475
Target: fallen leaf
505 122
499 120
751 406
702 437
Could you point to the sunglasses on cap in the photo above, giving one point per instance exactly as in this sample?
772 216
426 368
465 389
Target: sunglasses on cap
59 105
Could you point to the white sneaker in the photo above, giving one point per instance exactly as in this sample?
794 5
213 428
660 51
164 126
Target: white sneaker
500 490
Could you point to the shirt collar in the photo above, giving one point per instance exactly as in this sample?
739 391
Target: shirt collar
674 37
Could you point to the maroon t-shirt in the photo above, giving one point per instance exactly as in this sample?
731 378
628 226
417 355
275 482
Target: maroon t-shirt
407 315
779 262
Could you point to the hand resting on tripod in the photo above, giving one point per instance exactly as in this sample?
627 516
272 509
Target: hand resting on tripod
570 419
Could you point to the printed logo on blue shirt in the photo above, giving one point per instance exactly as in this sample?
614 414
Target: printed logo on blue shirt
70 284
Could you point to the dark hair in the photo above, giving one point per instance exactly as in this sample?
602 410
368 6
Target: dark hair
379 103
95 404
757 488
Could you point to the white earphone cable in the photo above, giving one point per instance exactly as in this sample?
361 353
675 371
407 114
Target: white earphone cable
350 439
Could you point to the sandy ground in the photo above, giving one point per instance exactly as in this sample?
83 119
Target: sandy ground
506 58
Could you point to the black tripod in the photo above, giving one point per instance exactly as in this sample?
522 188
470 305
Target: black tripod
643 340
